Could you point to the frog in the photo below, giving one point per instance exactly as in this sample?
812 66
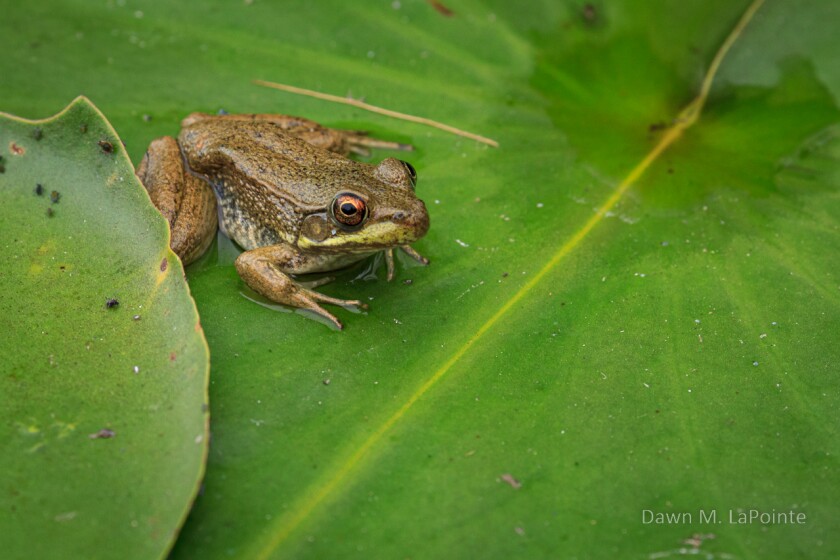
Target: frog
285 190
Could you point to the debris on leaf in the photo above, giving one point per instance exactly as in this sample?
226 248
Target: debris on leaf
106 146
508 478
104 433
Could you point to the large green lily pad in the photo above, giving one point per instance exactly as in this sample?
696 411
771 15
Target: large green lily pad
103 365
678 355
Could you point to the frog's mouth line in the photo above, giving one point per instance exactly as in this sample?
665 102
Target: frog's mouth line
374 236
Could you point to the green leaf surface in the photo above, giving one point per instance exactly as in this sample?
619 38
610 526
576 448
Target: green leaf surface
103 366
552 374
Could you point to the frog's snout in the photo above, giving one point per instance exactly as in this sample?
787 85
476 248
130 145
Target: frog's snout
414 219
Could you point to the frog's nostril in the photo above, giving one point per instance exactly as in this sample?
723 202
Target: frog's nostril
399 216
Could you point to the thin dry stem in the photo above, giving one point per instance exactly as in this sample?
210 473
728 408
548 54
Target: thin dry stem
380 110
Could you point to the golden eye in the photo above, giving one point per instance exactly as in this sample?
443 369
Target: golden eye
349 209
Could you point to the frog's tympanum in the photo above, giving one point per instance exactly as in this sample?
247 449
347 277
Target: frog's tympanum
282 188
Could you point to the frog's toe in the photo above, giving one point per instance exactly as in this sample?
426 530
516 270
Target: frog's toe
318 282
408 250
389 263
317 309
319 297
308 299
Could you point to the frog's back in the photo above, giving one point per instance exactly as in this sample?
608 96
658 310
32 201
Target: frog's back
266 180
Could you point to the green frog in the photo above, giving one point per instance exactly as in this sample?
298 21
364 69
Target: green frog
283 189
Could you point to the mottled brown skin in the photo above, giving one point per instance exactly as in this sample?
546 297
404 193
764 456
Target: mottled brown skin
272 181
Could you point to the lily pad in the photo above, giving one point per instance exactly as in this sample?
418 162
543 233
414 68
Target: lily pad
103 365
548 379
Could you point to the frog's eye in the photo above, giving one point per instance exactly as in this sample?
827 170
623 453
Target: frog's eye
412 173
349 210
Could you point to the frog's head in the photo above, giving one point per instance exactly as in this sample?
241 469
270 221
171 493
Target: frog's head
374 211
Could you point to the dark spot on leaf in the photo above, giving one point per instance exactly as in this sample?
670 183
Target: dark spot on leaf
172 356
505 274
589 13
50 212
55 196
670 170
104 433
83 128
111 303
106 146
39 189
17 150
163 265
657 126
37 133
441 9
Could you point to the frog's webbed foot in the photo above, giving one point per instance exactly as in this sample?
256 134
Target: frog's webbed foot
408 250
261 269
307 299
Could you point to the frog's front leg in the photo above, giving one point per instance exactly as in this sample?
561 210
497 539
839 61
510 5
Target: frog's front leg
336 140
266 271
408 250
187 202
